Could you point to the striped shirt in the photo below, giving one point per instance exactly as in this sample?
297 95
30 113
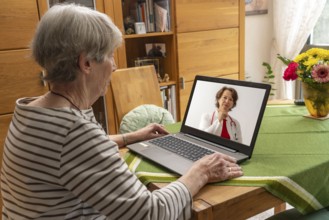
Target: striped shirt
58 163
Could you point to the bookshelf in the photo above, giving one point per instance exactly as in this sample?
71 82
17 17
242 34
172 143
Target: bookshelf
134 47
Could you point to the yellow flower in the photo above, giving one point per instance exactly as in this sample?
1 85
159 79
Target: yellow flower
319 53
301 57
311 62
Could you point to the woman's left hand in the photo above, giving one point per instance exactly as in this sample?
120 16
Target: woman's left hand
149 132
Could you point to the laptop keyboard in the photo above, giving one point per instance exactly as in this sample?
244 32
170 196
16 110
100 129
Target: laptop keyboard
181 147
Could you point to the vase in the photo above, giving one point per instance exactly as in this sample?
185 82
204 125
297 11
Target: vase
316 97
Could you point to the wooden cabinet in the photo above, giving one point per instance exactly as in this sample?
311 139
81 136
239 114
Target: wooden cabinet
19 75
210 41
202 15
134 47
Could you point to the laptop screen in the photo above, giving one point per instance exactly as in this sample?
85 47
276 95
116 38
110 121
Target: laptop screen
243 120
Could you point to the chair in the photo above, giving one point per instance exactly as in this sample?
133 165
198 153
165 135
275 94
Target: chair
133 87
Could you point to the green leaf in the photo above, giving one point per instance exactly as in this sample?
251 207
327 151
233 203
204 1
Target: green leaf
284 60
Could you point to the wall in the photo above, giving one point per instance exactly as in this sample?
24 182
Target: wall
258 40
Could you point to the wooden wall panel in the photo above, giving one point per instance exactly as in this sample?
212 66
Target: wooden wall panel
18 21
200 15
19 77
210 53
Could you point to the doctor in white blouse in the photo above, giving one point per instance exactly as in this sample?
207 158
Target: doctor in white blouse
219 122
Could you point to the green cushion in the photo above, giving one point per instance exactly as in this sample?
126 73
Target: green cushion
293 214
143 115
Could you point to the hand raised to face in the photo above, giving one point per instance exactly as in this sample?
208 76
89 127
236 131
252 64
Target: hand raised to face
225 103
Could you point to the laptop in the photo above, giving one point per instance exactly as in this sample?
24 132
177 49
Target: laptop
174 151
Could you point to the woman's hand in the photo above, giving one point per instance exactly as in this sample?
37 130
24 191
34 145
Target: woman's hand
222 115
211 168
149 132
219 167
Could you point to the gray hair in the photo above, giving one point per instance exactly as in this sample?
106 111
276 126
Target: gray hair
66 31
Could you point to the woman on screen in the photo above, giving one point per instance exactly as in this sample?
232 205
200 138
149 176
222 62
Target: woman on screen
219 122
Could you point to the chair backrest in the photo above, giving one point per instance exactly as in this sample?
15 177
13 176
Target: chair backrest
135 86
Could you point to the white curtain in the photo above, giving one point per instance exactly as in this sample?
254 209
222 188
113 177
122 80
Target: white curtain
293 21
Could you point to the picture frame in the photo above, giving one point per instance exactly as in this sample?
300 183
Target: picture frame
145 61
155 49
256 7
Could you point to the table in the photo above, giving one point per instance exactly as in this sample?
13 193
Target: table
290 164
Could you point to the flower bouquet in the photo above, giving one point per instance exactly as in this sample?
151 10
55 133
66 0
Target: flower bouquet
312 68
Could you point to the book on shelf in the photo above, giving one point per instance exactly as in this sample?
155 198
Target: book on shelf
168 94
154 13
162 15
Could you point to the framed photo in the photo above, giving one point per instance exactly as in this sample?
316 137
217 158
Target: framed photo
256 7
144 61
155 50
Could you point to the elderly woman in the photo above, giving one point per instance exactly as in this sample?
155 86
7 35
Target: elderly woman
219 122
58 162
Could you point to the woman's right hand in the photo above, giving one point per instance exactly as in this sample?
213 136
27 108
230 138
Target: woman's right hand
222 115
219 167
216 167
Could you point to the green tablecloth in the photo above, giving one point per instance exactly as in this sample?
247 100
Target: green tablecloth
290 159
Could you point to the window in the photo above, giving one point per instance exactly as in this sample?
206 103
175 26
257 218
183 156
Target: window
318 38
320 34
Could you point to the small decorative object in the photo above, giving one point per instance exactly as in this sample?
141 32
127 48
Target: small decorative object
166 78
312 68
129 25
140 28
